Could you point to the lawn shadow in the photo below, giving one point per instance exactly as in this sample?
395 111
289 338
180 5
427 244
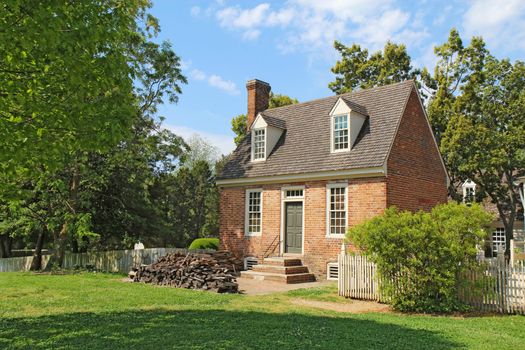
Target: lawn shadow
213 329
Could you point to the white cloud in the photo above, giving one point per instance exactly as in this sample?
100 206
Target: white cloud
213 80
195 11
235 17
501 23
225 85
223 142
381 29
197 74
251 34
313 25
250 20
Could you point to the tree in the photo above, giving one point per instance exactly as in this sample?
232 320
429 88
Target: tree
279 100
359 70
91 78
200 149
239 128
239 122
420 256
66 84
477 112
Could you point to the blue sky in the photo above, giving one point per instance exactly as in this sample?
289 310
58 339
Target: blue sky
289 44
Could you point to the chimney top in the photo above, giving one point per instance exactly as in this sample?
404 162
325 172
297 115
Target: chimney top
258 99
256 82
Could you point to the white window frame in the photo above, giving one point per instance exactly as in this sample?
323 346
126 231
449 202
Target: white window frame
467 185
247 212
332 133
329 187
284 191
264 145
496 244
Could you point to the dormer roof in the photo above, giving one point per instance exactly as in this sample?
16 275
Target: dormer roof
273 121
355 106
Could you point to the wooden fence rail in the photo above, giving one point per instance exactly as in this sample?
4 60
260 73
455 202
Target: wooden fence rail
494 287
120 261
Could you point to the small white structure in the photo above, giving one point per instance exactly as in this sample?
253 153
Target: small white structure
521 190
139 245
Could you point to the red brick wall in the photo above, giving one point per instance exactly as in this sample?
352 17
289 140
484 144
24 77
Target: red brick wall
415 177
366 198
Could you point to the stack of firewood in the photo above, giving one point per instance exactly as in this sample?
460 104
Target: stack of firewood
215 271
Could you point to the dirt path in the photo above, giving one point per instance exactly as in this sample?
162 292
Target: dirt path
256 287
355 307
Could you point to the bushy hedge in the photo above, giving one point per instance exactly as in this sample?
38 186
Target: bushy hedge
419 255
205 243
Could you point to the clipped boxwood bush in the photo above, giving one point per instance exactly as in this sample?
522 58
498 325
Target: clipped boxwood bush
205 243
420 255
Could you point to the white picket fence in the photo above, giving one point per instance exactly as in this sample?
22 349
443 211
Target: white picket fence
494 287
121 261
499 287
22 263
358 278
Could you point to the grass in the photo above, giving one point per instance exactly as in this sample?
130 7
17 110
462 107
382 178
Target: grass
98 311
325 293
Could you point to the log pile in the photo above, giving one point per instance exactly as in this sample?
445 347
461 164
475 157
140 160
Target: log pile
216 271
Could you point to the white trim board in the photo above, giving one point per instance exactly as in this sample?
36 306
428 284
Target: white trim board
322 175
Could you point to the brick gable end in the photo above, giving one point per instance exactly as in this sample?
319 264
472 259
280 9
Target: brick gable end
416 178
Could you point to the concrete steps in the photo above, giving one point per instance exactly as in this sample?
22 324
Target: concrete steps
285 270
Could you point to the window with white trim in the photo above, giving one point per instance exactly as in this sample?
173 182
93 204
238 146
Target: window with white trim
340 137
253 212
259 144
294 193
469 191
337 209
498 241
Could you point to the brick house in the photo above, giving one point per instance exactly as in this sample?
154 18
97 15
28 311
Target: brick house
304 173
497 241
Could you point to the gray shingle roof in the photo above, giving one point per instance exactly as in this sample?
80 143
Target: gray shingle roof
304 146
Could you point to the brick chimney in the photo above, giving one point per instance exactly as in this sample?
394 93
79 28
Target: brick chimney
258 99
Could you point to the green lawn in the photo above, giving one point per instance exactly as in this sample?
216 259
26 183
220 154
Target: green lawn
98 311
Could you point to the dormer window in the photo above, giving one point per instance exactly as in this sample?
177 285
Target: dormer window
469 191
340 133
259 144
347 119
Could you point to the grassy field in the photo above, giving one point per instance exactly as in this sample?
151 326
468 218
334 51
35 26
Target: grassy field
98 311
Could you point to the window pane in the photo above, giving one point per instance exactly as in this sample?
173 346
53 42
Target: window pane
341 132
259 148
254 211
337 210
498 241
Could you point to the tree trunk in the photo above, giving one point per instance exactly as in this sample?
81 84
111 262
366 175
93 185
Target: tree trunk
60 244
36 264
5 246
74 245
508 224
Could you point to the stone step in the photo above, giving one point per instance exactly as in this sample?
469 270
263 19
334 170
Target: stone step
279 261
277 277
285 270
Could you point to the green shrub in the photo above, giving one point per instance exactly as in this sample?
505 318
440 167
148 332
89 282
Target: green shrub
205 243
420 255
